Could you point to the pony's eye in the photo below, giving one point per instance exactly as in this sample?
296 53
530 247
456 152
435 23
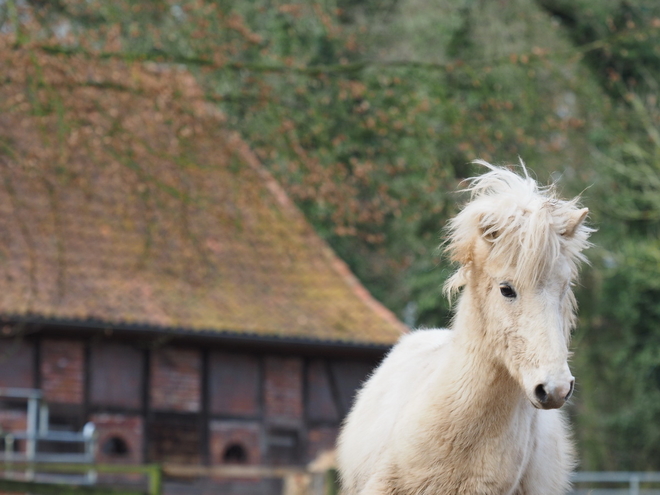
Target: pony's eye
507 291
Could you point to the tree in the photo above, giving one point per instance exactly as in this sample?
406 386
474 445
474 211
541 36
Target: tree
619 339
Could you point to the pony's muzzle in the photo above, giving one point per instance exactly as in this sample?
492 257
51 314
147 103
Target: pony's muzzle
552 395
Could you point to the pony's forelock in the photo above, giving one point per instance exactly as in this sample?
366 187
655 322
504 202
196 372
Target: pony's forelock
524 223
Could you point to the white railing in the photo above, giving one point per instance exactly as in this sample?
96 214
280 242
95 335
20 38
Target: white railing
38 431
612 483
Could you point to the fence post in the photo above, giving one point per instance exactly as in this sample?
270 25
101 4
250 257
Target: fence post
90 434
155 479
634 484
31 443
332 482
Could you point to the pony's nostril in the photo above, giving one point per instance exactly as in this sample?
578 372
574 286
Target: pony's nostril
541 394
570 390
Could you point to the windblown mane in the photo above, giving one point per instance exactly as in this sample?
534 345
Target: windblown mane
525 223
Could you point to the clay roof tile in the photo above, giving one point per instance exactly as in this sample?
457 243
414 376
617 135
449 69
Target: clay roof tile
135 205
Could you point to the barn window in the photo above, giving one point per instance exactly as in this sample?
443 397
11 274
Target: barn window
115 446
235 453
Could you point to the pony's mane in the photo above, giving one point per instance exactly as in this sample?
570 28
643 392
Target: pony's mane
526 225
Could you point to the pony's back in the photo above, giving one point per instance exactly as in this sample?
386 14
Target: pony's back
366 438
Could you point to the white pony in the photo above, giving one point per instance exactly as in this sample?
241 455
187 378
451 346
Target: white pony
473 409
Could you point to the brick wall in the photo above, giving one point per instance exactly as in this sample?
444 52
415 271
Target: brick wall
62 375
125 428
283 381
239 385
175 379
224 434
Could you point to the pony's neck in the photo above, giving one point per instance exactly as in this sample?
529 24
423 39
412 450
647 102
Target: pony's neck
473 396
474 355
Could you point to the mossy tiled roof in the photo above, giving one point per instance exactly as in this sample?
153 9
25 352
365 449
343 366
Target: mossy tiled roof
125 198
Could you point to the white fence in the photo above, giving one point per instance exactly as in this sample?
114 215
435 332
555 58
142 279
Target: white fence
616 483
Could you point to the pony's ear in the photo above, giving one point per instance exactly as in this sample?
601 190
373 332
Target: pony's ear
575 220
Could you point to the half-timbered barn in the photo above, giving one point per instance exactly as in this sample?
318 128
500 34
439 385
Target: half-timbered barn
156 280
